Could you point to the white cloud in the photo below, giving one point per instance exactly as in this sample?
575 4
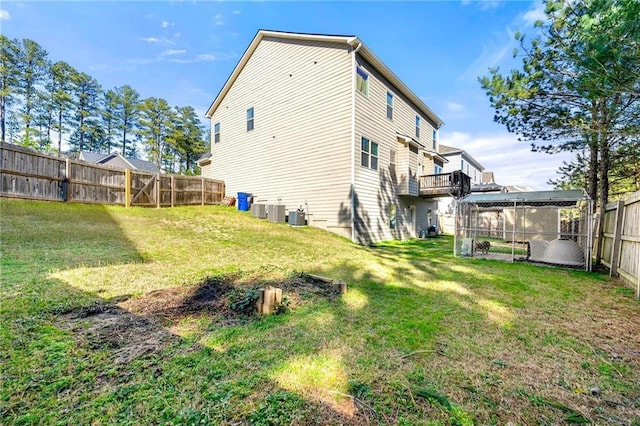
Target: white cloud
236 12
536 13
454 106
172 52
4 15
511 160
219 19
204 57
492 54
153 40
483 4
166 24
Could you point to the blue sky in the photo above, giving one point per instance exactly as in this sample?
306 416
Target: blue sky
183 51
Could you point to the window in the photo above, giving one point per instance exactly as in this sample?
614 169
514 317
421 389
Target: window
417 126
462 165
392 159
437 170
362 81
392 216
216 133
389 106
435 138
369 154
250 119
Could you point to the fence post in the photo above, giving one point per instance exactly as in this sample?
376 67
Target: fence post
67 172
173 190
127 188
158 192
617 239
202 181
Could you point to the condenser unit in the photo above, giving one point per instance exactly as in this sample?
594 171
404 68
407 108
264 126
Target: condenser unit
276 213
259 211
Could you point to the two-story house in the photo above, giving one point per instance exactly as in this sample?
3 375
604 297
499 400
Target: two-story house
318 122
459 159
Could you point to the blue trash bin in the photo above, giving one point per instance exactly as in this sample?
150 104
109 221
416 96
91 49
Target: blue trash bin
244 201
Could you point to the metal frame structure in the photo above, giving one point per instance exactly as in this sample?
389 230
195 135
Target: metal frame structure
549 227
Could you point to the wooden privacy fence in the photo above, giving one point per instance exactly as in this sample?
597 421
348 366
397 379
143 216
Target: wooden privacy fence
32 175
621 243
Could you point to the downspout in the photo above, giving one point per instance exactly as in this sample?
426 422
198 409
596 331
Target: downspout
353 137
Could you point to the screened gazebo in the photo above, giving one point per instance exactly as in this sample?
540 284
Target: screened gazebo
547 227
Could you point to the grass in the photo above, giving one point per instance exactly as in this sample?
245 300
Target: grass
421 337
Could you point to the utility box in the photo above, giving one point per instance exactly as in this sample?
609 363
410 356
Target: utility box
276 213
296 218
259 211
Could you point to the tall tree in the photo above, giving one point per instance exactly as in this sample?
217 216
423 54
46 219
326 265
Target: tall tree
579 87
127 111
188 139
108 112
86 93
62 76
156 124
32 69
9 78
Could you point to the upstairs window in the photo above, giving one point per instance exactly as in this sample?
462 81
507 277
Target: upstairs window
369 154
435 138
389 106
216 133
437 170
362 81
250 119
417 126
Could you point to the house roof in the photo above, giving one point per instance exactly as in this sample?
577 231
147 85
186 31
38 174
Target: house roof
446 151
350 40
534 198
135 163
91 157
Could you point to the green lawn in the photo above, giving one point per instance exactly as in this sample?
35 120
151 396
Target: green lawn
95 327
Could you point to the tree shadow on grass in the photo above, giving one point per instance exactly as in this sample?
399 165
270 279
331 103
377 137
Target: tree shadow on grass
74 356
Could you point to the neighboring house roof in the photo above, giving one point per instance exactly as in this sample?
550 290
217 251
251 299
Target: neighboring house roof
135 163
352 41
448 151
204 159
91 157
487 177
487 187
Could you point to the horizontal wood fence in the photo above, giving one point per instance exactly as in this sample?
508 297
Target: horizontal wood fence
32 175
621 243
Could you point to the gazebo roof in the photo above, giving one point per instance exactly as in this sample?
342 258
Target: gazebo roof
533 198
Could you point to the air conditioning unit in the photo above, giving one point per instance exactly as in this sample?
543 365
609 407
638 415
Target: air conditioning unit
296 218
276 212
259 211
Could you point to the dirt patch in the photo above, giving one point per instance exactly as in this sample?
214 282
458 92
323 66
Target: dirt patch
211 296
109 327
136 327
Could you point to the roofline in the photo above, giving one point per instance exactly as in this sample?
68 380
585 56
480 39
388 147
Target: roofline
352 41
465 154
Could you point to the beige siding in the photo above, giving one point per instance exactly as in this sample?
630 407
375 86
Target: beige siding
377 189
469 169
299 152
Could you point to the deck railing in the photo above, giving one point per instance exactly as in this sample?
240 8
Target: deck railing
455 183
